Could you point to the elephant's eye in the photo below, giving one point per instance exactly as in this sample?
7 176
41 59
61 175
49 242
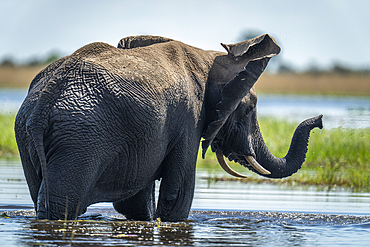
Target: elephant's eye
249 110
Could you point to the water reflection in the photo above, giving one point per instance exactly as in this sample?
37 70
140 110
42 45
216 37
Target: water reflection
102 230
236 195
204 228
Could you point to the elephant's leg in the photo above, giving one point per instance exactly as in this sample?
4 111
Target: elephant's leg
140 206
66 196
32 177
57 206
177 187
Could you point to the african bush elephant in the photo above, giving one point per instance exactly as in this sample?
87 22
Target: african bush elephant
104 123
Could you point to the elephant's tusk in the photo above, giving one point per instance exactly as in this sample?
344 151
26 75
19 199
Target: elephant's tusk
226 167
256 165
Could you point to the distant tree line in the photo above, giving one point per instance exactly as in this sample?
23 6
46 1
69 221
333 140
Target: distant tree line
8 61
314 69
281 67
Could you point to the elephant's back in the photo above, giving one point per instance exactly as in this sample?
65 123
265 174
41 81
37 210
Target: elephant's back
160 65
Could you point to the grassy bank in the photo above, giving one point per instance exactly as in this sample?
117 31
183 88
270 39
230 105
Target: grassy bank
8 145
337 157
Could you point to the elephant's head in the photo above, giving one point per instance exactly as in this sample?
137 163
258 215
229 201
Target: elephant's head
232 128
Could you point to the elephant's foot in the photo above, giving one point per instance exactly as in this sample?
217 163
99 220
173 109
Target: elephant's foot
175 205
57 208
41 211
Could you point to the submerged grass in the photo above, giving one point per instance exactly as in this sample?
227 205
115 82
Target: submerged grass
336 157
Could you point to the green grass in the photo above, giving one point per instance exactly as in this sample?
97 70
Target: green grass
340 157
8 145
336 157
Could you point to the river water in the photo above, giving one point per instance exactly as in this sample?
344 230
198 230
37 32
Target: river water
338 111
225 213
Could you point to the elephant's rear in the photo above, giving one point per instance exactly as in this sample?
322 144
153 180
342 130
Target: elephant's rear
68 135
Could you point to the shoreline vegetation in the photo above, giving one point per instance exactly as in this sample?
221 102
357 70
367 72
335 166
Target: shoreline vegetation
354 84
336 158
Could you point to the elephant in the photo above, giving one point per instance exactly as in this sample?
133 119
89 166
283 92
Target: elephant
104 123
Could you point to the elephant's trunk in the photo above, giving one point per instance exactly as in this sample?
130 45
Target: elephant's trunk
284 167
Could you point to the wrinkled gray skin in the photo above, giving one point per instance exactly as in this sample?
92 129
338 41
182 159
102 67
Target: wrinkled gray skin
102 124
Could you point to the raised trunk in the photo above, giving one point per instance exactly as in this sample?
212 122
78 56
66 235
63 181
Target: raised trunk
284 167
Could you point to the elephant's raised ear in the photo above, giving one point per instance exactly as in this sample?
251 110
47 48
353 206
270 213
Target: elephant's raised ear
256 48
231 95
140 41
257 52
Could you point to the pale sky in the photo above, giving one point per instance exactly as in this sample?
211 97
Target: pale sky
314 31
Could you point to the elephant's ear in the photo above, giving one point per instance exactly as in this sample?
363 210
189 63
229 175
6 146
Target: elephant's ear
259 52
140 41
257 48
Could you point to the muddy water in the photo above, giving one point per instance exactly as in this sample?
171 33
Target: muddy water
224 213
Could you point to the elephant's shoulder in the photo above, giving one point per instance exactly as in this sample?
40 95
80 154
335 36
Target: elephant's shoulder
96 49
100 54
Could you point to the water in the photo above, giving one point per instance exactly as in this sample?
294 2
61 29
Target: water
338 111
223 213
11 100
204 228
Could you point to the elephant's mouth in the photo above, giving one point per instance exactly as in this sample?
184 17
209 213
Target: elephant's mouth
240 159
247 161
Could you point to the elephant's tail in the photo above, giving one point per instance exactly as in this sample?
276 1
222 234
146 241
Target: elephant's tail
36 127
37 134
